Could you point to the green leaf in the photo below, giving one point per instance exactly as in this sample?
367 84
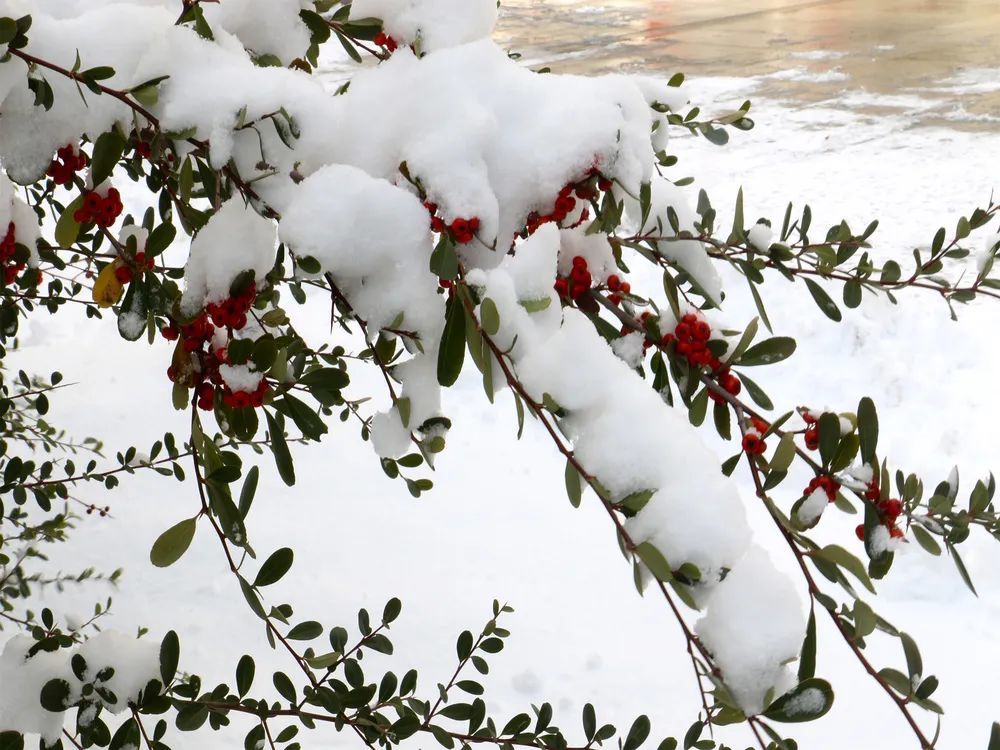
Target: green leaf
868 429
914 664
107 151
68 228
282 457
637 734
807 659
960 566
699 408
536 305
784 454
244 674
170 654
768 352
823 300
489 317
305 631
808 701
655 561
55 695
248 491
745 340
8 30
994 737
284 686
173 543
451 355
852 293
925 540
574 489
275 567
841 557
829 436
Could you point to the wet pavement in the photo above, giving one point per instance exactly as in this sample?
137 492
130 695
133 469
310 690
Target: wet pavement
936 61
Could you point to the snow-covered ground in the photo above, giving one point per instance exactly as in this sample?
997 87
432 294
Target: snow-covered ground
498 523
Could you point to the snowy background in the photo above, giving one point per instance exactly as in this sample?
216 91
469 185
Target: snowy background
498 524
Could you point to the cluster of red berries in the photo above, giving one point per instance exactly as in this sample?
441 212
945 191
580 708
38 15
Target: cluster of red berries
98 209
142 263
463 231
564 205
617 287
232 399
812 431
8 250
828 484
753 442
577 283
692 335
232 312
67 163
889 511
384 40
196 339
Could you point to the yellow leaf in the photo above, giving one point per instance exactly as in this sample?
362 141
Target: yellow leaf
108 289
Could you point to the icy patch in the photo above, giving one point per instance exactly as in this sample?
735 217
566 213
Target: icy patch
818 54
805 76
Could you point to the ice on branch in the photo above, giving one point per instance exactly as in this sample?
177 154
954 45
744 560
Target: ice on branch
134 662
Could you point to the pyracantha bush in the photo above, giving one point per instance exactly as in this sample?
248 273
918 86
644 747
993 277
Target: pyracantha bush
456 210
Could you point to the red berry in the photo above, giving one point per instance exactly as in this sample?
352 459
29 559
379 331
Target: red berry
614 283
812 438
123 274
860 531
890 509
895 532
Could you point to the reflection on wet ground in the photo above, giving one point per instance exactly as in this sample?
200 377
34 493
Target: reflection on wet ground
936 61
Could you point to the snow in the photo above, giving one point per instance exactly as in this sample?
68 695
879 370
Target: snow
807 703
690 255
130 231
264 26
234 240
435 23
629 348
760 236
241 377
14 210
486 175
135 663
813 507
754 627
374 239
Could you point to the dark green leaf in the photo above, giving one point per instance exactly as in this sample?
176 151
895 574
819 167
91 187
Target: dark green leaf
451 355
172 543
823 300
275 567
